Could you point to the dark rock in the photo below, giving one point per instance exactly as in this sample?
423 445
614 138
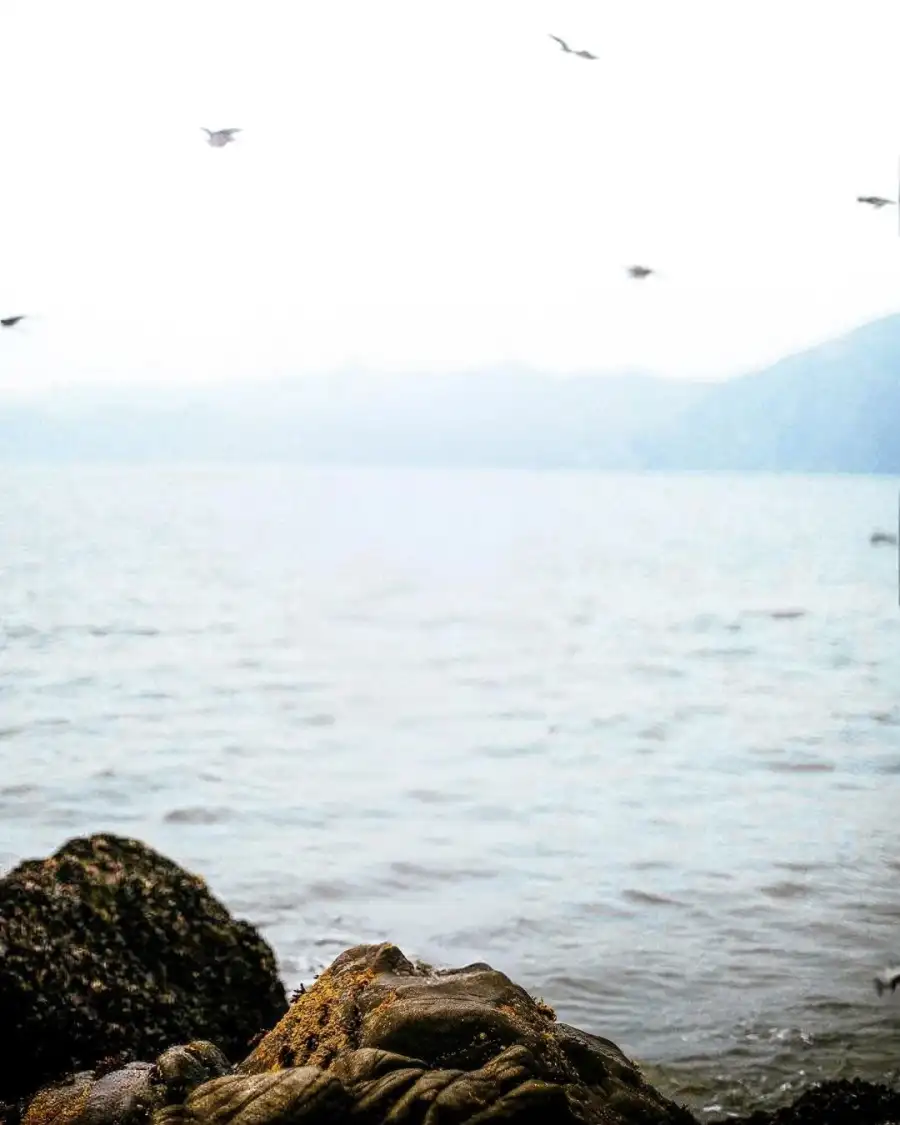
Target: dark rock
302 1094
844 1102
130 1095
109 949
411 1044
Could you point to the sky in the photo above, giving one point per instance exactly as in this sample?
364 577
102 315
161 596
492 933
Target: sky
432 186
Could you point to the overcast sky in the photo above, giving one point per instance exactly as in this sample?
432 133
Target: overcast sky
424 184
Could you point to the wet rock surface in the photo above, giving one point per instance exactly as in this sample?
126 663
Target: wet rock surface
463 1045
107 948
846 1102
131 1094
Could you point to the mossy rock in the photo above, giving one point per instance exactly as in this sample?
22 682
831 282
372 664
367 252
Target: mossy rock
402 1036
107 948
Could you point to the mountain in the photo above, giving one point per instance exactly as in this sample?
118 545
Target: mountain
832 408
511 417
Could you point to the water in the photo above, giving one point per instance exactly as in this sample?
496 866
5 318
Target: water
559 722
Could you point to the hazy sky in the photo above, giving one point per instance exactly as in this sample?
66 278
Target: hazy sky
426 184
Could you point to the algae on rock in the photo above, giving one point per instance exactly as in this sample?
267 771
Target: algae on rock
110 949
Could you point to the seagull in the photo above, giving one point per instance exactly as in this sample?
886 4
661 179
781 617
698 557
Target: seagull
565 46
639 272
11 321
220 137
875 201
887 978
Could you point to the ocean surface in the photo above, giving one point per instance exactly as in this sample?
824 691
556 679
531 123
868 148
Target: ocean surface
633 739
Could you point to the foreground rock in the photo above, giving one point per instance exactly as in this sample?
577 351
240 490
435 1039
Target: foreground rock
834 1103
131 1093
465 1045
110 953
109 949
378 1040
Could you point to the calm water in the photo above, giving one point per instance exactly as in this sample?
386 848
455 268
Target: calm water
553 721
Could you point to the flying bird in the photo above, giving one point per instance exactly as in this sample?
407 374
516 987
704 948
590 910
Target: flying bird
11 321
568 50
640 272
219 138
875 201
887 978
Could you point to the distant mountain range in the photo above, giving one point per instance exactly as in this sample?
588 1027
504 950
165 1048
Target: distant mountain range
833 408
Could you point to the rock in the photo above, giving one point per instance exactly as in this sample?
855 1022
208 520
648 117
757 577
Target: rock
128 1095
301 1094
109 949
843 1102
467 1042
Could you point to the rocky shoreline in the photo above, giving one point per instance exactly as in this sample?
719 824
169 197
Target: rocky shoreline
128 994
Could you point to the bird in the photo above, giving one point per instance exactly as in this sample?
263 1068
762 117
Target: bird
11 321
887 978
219 138
640 272
565 46
875 201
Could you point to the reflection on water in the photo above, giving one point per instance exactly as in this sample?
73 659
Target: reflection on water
632 739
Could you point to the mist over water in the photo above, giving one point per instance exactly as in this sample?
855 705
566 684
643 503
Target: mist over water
635 740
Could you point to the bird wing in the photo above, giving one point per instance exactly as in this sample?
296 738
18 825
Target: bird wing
229 132
561 42
887 978
208 132
585 54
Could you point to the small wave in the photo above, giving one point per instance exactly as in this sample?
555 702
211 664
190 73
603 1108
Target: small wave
648 898
524 714
291 687
800 767
431 796
121 631
801 868
18 790
492 813
786 613
524 750
416 876
719 653
334 891
198 815
317 720
785 889
600 721
656 733
661 671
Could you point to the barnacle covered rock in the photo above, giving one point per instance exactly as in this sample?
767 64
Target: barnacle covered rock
107 948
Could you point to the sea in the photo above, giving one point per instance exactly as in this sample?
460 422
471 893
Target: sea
632 739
